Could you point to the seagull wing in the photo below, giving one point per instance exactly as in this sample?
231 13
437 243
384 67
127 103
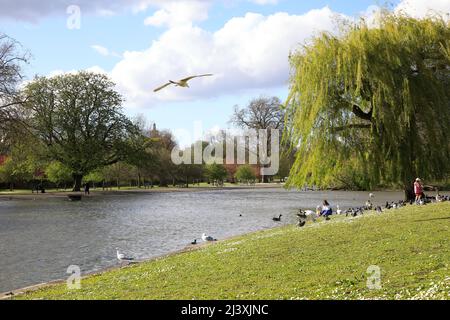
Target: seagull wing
198 76
162 87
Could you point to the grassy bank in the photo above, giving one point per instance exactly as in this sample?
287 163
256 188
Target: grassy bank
326 260
115 190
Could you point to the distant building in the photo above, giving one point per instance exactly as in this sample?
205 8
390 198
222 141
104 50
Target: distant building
2 159
154 132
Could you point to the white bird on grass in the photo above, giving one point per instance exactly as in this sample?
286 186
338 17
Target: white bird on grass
183 82
123 257
207 238
338 211
305 215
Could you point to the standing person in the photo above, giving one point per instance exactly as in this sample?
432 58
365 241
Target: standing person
418 190
326 210
86 188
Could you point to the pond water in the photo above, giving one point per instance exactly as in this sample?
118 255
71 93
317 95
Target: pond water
40 239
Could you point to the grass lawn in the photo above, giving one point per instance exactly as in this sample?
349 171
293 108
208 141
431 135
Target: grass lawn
25 191
122 188
325 260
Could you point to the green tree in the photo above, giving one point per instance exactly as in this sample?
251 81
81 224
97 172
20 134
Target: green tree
21 166
58 173
216 173
246 174
95 177
165 169
192 172
119 173
79 118
374 98
143 151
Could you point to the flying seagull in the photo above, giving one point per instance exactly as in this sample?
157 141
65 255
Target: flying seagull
182 82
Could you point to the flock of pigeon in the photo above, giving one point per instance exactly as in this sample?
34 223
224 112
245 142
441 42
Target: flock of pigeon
305 215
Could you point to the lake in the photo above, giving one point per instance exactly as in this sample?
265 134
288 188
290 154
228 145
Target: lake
40 238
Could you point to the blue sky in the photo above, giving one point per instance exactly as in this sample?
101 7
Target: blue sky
248 52
56 47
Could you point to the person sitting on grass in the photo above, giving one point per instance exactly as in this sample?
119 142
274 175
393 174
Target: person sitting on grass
326 210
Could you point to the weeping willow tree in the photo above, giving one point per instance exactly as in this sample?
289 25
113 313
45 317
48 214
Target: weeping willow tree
372 102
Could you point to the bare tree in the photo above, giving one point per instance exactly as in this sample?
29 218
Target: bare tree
261 113
12 57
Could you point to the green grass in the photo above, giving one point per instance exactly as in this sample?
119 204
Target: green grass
122 188
326 260
23 191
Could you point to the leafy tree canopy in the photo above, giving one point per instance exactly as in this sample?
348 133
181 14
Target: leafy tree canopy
216 172
79 118
375 99
245 173
58 173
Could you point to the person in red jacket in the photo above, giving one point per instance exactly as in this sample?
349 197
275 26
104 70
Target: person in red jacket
418 189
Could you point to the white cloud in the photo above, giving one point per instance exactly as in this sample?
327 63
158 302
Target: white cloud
96 69
104 51
372 15
247 52
423 8
33 11
175 13
101 50
59 72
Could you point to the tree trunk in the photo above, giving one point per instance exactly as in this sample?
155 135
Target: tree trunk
77 182
409 191
139 180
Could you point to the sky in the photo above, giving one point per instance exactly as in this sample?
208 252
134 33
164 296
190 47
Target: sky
141 44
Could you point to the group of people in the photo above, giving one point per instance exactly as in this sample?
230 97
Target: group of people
325 210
